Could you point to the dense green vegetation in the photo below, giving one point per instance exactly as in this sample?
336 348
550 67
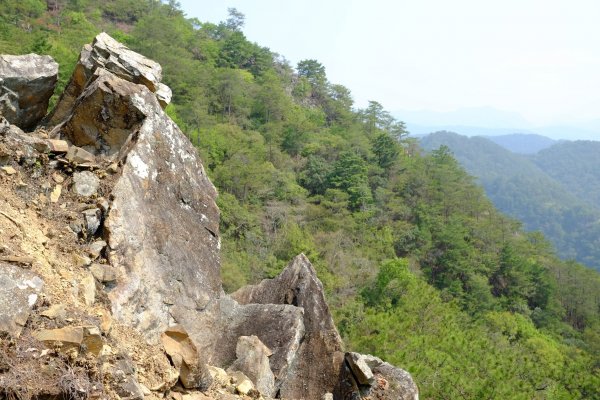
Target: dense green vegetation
418 265
553 191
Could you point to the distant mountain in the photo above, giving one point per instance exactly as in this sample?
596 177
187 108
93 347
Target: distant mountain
488 121
521 187
522 143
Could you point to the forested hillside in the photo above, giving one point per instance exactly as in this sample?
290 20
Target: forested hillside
549 191
576 165
418 265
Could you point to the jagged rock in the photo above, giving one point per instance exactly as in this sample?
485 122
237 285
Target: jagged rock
218 375
298 285
91 220
107 53
162 226
184 356
96 248
124 379
215 331
26 85
19 291
55 195
56 311
361 371
88 289
103 273
253 361
105 116
386 383
79 156
85 183
70 338
243 385
58 146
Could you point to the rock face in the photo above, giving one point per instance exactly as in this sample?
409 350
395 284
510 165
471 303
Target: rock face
108 54
299 286
19 291
26 85
162 225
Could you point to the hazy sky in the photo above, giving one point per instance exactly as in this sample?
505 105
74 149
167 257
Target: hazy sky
540 58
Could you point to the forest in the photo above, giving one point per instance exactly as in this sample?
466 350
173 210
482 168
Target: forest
418 265
554 191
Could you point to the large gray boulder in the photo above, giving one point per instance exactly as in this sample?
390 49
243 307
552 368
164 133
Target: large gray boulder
162 227
216 330
298 285
107 53
19 291
26 85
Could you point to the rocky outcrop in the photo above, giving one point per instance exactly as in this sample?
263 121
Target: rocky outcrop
162 226
299 286
108 54
19 291
216 331
150 252
26 85
372 378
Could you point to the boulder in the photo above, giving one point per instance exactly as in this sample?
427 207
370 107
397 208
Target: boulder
253 361
26 85
79 156
361 371
163 225
106 53
19 291
105 115
372 378
215 331
87 338
299 286
85 183
185 358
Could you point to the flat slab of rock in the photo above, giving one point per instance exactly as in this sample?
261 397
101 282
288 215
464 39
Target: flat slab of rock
298 285
19 292
26 85
106 53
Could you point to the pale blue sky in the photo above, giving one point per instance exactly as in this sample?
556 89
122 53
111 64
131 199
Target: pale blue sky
539 58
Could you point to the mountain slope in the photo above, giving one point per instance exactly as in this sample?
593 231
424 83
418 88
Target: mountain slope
418 266
576 165
525 191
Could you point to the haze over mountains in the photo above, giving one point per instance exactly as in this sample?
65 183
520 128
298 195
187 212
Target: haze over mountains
555 190
488 121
